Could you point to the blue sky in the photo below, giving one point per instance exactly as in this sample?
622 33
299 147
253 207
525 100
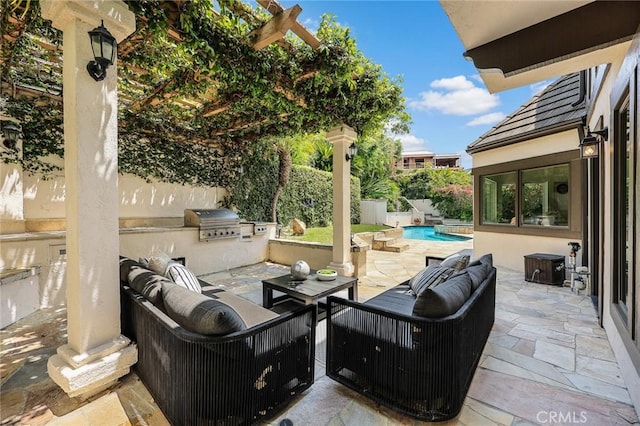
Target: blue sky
448 102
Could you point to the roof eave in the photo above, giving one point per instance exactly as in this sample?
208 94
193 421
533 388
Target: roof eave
527 136
580 38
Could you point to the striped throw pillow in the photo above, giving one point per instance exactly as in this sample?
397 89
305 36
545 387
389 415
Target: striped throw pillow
456 261
429 277
180 275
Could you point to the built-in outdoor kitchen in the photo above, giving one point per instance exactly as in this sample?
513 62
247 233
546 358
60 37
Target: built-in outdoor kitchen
210 240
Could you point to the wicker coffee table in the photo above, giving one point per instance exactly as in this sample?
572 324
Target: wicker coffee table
308 291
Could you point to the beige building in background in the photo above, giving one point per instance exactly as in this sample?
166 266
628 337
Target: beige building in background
422 159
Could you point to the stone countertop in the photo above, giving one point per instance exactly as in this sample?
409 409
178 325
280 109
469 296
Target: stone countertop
48 235
15 274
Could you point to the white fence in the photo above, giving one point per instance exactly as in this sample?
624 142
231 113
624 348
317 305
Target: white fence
374 212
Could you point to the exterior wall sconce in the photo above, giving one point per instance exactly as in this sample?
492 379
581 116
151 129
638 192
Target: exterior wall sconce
352 151
590 144
104 48
11 134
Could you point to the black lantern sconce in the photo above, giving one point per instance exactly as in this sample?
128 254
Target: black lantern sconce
104 48
590 144
10 134
351 152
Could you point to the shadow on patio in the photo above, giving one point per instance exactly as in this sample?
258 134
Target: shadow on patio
546 362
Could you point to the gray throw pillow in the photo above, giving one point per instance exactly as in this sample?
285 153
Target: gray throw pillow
486 259
456 261
430 276
445 299
125 267
477 273
198 313
147 284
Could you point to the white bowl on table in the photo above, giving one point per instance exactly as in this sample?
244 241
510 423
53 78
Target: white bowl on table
326 274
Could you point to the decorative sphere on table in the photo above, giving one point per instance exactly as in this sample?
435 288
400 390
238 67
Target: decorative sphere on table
300 270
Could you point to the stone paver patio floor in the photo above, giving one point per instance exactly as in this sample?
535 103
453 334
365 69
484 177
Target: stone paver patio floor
546 362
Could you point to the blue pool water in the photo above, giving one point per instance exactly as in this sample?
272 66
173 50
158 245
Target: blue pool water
427 233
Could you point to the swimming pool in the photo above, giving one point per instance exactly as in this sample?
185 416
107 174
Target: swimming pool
427 233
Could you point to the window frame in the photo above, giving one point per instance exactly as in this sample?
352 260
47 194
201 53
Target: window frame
574 229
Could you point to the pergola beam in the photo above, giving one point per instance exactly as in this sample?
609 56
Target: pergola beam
275 29
275 8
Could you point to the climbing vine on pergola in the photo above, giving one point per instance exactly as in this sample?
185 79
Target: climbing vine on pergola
200 83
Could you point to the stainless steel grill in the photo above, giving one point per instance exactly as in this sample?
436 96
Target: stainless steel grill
214 224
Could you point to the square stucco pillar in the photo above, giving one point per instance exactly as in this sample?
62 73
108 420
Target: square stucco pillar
341 137
96 354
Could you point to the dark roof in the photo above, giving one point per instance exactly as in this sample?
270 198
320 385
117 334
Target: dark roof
550 111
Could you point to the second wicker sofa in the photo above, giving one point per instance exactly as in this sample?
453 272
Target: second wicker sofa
417 365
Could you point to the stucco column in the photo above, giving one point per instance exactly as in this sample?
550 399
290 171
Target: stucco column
341 137
96 354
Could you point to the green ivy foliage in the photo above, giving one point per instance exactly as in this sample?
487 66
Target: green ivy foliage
160 138
42 134
309 197
256 182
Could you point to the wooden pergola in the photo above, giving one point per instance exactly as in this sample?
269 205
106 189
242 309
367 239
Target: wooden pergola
283 79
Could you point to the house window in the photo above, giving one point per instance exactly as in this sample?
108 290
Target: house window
499 198
533 196
624 183
545 196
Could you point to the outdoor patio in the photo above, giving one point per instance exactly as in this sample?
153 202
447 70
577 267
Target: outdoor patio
547 361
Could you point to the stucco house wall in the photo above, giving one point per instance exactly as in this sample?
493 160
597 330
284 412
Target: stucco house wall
32 215
511 245
602 107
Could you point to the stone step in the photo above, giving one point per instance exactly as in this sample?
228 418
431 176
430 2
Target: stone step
381 243
389 244
396 247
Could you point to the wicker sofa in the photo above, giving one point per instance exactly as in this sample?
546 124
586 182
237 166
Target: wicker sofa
238 378
417 365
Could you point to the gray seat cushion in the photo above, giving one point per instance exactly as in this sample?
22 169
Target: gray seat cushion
199 313
444 299
396 299
250 313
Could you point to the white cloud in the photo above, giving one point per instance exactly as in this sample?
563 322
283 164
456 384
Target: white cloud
456 96
492 117
311 24
455 83
539 87
465 160
411 142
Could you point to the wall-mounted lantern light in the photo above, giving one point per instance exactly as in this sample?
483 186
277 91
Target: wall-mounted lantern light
10 134
351 152
590 144
104 48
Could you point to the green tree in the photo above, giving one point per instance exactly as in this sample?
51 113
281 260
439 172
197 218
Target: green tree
322 157
303 148
374 165
454 201
423 183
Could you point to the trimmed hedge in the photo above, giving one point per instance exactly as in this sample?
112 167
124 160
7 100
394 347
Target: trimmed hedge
309 197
